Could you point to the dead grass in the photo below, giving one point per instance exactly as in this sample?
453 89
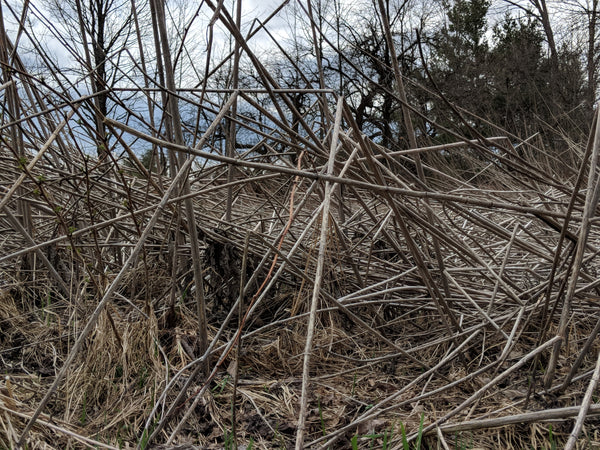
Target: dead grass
382 357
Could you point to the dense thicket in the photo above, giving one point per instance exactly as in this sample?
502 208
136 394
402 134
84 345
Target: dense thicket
319 224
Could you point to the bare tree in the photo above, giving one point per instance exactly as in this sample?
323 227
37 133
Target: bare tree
583 17
101 30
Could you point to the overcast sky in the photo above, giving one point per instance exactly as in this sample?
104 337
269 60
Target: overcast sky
251 9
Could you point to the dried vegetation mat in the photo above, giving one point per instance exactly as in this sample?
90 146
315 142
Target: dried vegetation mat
342 294
317 290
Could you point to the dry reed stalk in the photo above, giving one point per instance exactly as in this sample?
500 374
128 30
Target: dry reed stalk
534 416
323 242
65 290
408 125
49 423
591 203
197 264
584 408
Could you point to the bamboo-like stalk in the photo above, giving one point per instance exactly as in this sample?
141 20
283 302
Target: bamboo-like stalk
591 203
585 407
534 416
30 165
316 293
16 142
231 127
189 206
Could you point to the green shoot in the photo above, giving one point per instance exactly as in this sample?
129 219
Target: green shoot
321 416
354 442
420 433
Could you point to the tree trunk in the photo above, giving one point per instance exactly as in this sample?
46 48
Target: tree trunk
591 55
